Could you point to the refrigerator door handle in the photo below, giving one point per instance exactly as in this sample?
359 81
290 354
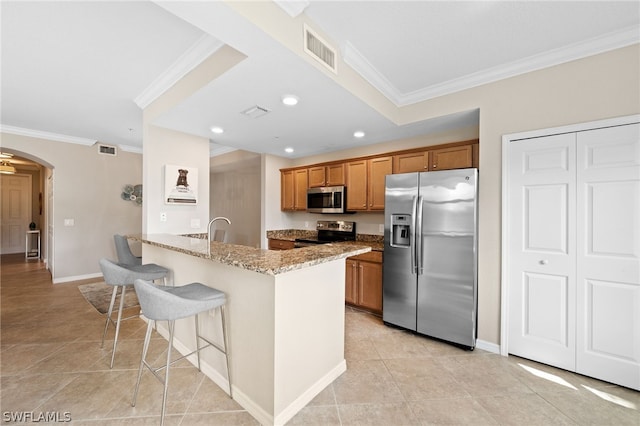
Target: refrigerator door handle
412 237
418 237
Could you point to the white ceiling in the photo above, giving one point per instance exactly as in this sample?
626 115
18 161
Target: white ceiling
79 71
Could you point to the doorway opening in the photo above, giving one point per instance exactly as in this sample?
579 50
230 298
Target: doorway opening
26 192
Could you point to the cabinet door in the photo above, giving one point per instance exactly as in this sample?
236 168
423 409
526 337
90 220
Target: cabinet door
316 176
379 168
301 185
351 282
335 175
287 186
457 157
411 162
357 185
370 285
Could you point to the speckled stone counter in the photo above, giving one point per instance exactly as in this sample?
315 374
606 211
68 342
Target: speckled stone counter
268 262
376 242
285 317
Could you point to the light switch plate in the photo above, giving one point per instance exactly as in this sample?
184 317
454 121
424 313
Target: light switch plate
163 217
69 222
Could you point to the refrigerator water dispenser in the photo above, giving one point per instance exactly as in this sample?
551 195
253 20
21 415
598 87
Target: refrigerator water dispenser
400 230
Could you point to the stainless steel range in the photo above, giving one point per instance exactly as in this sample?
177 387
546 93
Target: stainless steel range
329 231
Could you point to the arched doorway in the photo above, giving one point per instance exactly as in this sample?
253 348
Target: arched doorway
26 190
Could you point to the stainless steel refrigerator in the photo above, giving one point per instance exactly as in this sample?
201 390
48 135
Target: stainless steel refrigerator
430 254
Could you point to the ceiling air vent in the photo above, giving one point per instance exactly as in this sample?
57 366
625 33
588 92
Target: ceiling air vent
319 49
255 111
107 150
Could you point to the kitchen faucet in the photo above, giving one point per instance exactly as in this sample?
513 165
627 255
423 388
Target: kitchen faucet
211 223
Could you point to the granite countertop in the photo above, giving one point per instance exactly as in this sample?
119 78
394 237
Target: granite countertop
269 262
376 242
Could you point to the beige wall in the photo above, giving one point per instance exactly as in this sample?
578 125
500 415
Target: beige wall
235 194
87 188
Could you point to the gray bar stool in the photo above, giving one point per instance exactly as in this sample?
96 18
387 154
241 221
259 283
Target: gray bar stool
123 276
123 250
161 303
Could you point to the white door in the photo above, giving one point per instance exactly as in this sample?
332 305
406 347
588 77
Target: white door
542 286
608 262
15 215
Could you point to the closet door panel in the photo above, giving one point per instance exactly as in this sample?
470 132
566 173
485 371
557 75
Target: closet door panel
542 250
608 262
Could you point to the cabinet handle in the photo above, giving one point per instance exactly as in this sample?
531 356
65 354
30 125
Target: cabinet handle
435 166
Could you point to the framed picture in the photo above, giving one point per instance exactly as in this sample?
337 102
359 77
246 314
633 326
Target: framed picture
180 185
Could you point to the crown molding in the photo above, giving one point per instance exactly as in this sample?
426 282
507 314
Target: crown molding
198 52
130 148
292 7
610 41
46 135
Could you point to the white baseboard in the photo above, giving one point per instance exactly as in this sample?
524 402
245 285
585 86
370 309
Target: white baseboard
76 278
488 346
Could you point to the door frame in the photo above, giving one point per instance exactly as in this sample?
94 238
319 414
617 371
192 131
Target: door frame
505 231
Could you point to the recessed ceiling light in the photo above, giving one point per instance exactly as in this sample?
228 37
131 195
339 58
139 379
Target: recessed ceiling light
358 134
288 150
290 100
217 130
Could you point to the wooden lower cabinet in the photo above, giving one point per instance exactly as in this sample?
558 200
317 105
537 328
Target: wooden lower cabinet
363 281
275 244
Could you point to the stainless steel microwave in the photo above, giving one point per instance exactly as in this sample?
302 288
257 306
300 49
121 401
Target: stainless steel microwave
328 199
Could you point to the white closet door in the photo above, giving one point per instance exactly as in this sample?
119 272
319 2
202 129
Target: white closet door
608 261
542 249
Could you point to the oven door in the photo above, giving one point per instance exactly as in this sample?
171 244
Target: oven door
330 199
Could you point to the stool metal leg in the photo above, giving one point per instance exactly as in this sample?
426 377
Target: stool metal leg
166 373
226 347
197 340
115 338
106 325
145 348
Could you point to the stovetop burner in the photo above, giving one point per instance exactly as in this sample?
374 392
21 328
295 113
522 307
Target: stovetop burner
330 231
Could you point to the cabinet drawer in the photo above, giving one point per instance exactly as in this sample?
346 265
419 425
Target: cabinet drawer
372 256
280 244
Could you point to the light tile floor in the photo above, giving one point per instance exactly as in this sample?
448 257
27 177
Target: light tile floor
51 362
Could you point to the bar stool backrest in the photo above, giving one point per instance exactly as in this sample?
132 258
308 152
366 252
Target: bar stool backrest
123 250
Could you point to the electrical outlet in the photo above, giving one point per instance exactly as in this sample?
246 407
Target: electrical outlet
306 224
381 228
163 217
69 222
195 223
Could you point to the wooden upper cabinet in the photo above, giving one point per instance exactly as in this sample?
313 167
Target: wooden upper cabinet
331 175
335 174
293 190
301 186
287 190
378 169
457 157
356 183
411 162
366 183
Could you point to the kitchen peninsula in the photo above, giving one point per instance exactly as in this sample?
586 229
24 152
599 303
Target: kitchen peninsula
286 317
